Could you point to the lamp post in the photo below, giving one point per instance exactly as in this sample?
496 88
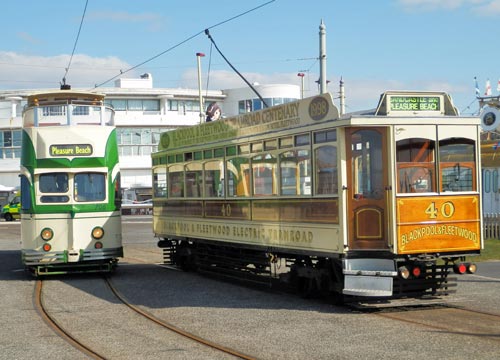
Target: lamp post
198 57
301 75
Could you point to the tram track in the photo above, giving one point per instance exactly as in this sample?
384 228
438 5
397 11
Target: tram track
80 345
58 329
454 320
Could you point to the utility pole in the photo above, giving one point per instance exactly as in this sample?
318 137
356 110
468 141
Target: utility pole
198 57
322 58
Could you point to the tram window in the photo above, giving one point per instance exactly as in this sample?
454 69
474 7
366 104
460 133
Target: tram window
271 144
160 182
325 136
302 139
25 193
494 181
193 180
53 183
295 172
244 149
264 175
326 170
486 181
238 177
256 147
214 179
457 165
415 165
286 142
175 181
90 187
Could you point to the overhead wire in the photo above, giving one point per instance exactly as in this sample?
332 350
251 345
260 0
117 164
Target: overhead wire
185 41
76 42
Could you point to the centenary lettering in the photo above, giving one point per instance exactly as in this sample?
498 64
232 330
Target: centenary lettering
277 117
440 230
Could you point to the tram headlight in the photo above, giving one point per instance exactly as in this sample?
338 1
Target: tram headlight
97 232
471 268
47 234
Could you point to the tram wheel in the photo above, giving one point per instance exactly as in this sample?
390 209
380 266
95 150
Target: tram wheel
8 217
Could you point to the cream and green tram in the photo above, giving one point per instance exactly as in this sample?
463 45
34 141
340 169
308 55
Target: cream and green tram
381 204
70 184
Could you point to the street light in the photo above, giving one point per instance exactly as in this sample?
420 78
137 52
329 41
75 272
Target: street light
301 75
199 55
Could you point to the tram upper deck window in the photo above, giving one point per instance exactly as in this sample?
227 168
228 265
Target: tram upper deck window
90 186
457 165
325 159
415 165
53 183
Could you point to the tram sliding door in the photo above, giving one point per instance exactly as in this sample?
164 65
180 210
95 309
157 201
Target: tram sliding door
367 179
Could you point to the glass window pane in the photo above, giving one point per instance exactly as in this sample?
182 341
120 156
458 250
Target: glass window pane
17 137
264 175
151 105
175 181
415 163
119 105
238 177
160 182
134 105
295 167
89 187
53 183
214 179
457 165
326 170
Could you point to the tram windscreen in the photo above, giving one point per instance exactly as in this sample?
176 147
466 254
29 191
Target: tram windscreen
89 186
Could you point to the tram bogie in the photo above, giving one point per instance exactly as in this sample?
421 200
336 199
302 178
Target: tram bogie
372 205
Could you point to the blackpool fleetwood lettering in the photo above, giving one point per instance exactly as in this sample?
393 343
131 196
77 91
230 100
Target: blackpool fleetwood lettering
240 232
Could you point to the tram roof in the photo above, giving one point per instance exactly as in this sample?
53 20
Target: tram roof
68 96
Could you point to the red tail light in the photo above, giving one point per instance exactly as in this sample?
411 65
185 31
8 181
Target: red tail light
416 271
460 268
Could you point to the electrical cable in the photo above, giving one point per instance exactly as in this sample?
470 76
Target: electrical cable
183 42
76 42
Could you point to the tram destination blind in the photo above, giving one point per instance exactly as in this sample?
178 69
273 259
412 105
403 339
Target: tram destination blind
415 103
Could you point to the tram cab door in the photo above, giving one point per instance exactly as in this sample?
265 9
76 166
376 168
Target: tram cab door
367 187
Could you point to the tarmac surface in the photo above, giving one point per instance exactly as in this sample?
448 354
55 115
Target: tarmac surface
262 324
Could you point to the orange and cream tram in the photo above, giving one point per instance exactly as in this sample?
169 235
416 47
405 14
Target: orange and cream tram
368 205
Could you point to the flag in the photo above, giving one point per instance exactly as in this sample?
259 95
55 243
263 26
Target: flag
487 92
478 92
498 86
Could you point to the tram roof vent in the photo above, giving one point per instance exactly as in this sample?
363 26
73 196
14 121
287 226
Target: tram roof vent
411 103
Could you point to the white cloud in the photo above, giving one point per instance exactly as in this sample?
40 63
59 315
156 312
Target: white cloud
27 72
479 7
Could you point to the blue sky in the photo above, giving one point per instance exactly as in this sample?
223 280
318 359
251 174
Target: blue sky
373 45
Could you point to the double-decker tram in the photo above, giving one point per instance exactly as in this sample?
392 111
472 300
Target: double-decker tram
381 204
70 184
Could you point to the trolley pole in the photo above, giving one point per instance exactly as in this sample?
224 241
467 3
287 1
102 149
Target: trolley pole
301 75
198 57
322 58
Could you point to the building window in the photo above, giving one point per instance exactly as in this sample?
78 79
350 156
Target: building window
10 144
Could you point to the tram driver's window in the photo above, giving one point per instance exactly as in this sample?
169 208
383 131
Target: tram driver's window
325 158
53 183
90 187
457 165
415 165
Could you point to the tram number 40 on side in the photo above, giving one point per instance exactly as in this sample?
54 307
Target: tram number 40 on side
446 209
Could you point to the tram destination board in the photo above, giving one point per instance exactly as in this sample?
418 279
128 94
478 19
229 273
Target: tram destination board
415 103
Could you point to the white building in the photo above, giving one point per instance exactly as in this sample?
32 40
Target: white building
141 114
